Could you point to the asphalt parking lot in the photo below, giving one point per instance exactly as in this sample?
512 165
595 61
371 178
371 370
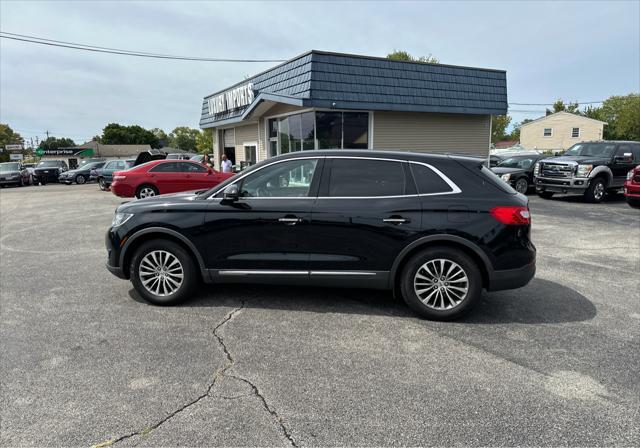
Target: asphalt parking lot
85 362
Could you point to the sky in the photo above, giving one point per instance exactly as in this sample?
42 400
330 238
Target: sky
578 51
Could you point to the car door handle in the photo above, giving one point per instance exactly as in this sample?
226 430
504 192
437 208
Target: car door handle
396 220
290 220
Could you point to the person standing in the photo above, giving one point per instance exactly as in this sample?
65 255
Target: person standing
225 164
206 161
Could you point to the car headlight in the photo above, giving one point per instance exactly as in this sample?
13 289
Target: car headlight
584 170
629 175
505 177
120 218
536 169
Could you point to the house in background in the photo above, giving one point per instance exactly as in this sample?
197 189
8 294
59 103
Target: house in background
559 131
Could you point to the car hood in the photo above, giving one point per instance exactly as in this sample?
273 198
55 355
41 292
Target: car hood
163 201
504 170
577 159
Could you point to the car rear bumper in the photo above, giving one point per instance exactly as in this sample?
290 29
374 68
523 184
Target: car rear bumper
631 190
122 190
511 278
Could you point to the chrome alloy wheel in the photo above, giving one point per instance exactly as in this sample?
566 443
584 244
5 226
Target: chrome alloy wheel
161 273
147 192
598 191
441 284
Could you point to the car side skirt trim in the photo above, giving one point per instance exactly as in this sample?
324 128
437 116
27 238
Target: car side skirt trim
338 279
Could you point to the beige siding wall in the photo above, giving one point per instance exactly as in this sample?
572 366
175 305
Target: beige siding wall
245 134
532 135
436 133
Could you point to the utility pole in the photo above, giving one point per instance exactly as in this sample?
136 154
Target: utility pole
47 132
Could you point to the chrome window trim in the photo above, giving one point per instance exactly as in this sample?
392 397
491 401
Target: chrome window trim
454 188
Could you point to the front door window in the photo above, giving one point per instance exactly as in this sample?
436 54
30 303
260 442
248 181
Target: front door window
286 179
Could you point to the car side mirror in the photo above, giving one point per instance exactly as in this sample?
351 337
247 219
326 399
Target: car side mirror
231 193
627 157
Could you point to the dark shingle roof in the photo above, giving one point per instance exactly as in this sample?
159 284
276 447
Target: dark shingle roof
320 79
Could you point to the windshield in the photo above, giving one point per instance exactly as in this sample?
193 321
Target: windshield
91 165
47 163
591 149
10 166
517 162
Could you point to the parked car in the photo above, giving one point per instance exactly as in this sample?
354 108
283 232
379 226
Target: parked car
493 161
80 175
13 173
588 168
104 175
517 171
632 187
84 162
199 158
49 171
165 176
180 155
435 229
30 167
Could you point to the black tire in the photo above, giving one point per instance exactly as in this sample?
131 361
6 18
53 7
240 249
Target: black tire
596 190
80 179
545 194
190 275
428 309
21 184
140 192
102 184
522 185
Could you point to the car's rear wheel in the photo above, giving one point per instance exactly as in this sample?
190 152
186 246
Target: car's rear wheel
441 283
146 191
102 184
522 185
163 273
545 194
80 179
596 190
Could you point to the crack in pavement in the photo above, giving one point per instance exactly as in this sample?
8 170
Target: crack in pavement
221 372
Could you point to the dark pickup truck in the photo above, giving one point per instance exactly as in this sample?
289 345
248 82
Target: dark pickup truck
588 168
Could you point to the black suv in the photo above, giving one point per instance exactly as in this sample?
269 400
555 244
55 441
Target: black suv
434 229
49 171
587 168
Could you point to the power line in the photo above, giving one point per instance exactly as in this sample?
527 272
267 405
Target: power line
551 104
142 54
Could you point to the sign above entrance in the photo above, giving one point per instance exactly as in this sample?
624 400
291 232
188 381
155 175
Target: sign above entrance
232 99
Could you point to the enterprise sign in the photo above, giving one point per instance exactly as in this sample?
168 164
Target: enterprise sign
233 99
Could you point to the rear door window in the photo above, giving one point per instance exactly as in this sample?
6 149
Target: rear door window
428 181
167 167
192 168
363 177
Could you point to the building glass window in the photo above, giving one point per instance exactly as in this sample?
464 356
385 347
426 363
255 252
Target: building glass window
575 132
329 130
318 130
355 130
547 132
250 153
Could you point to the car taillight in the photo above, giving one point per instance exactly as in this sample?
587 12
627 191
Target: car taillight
511 215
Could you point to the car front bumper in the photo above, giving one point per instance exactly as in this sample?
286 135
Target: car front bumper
576 185
10 181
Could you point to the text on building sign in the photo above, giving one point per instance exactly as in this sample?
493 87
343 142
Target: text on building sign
233 99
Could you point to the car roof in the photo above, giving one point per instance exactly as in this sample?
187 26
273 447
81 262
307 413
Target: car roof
377 153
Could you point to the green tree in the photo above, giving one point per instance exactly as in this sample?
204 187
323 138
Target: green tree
184 138
163 139
515 132
400 55
560 106
8 137
53 143
499 125
204 141
116 134
622 113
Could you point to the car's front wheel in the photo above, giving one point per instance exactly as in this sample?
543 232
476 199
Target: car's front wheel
522 185
163 273
441 283
596 190
80 179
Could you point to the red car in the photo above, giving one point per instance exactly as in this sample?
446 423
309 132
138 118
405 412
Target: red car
632 187
165 176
